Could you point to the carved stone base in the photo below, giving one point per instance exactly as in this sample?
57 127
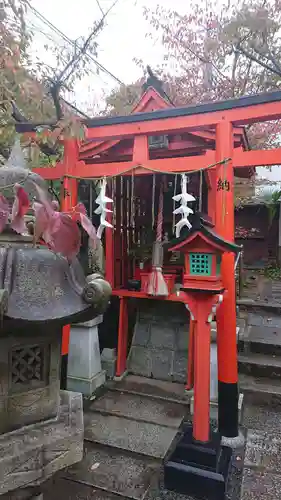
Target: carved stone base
84 372
31 455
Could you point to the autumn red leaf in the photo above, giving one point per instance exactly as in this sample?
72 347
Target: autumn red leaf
59 230
65 236
79 214
19 209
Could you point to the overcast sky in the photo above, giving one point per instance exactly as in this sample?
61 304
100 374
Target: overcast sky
123 38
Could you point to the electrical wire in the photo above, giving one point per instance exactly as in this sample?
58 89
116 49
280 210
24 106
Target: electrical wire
100 7
71 42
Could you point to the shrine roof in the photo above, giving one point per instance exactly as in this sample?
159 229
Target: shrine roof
171 112
202 224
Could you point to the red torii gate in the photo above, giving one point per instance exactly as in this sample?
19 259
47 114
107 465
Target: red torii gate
221 117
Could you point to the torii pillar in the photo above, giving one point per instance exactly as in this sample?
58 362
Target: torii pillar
69 199
226 315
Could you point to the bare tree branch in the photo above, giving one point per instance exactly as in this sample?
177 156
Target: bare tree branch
77 55
247 54
69 69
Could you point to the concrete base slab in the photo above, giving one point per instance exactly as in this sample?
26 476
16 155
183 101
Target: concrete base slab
62 489
86 386
140 437
114 471
158 389
140 408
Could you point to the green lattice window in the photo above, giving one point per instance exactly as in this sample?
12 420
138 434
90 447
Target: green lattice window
200 264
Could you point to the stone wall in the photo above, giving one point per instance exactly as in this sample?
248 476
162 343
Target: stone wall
160 341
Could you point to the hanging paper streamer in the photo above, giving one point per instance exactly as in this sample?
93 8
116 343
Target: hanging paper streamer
184 198
102 210
16 158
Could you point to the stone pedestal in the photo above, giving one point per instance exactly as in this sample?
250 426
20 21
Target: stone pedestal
31 455
84 372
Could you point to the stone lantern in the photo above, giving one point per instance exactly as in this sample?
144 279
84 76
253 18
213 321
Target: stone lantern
41 427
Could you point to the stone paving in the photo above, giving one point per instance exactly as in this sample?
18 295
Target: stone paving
262 465
125 459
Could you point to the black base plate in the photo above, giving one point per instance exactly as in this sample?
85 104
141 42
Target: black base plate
198 469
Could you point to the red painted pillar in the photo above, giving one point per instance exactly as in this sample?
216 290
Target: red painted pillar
122 337
202 341
226 315
212 175
190 361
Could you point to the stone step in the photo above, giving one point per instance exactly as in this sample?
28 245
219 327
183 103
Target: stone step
264 319
260 365
157 389
260 360
69 490
258 306
114 471
141 408
262 388
261 339
119 432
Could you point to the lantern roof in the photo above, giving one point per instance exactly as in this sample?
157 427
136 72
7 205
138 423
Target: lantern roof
202 227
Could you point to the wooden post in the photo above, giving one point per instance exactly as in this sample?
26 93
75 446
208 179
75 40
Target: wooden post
226 315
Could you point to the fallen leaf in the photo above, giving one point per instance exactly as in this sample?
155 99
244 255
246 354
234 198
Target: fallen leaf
95 466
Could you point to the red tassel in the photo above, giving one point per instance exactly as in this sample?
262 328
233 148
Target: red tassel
157 285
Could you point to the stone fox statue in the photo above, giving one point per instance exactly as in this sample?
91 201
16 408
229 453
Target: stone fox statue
91 256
